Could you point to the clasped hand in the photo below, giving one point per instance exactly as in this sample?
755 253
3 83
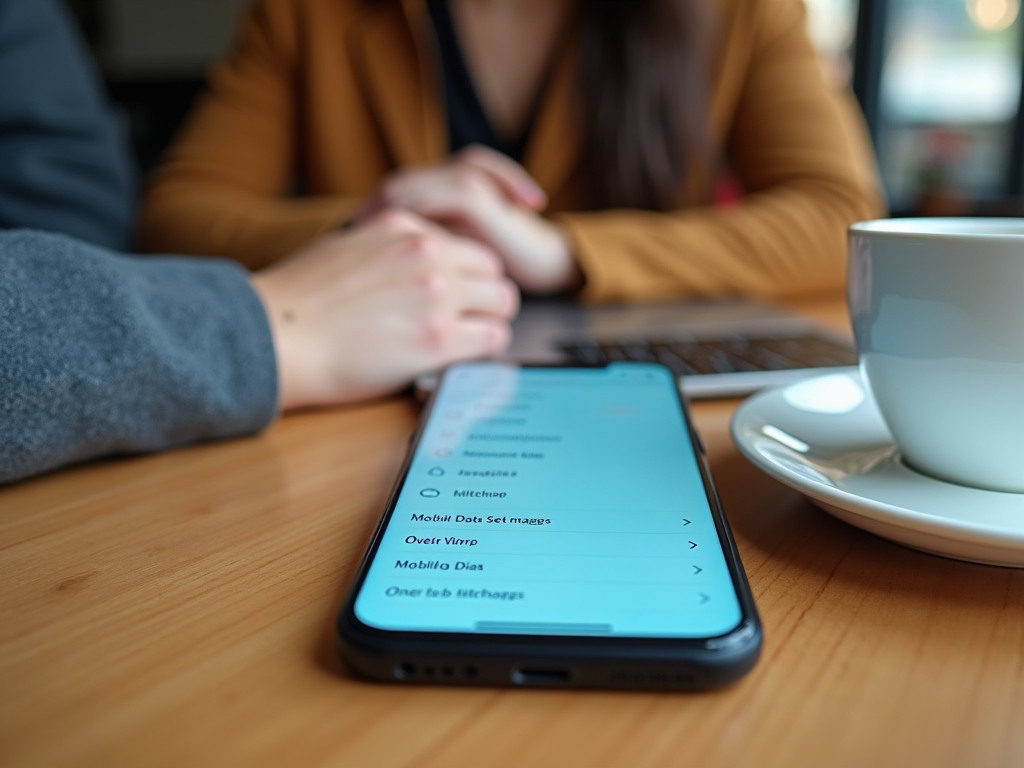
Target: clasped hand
359 314
483 195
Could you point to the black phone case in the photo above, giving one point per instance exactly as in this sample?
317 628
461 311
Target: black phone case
550 661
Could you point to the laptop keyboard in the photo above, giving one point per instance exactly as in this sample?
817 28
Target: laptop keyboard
736 354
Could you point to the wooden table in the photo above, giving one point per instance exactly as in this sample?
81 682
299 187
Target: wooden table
176 610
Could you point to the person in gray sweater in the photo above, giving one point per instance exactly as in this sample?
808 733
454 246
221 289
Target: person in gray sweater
103 353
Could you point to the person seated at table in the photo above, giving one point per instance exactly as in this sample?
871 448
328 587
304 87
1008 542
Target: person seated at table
580 140
103 353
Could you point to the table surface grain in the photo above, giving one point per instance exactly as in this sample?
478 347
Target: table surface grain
176 610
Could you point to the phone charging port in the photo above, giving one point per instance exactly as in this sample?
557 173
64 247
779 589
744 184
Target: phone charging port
550 677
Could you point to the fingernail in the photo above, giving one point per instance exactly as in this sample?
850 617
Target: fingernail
533 194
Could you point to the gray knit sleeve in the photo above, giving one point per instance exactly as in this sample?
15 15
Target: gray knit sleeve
109 354
64 161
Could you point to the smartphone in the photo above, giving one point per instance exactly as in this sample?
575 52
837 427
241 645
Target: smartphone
553 527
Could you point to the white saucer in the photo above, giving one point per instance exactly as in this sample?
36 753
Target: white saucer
825 438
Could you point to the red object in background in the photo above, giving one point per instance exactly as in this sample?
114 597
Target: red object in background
728 191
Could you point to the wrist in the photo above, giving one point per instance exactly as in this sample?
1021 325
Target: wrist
279 318
568 276
548 262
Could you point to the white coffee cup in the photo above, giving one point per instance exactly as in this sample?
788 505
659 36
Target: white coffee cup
938 312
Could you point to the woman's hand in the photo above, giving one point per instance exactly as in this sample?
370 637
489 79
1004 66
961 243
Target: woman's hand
360 314
486 196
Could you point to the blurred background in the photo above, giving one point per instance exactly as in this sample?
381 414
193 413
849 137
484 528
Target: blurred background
940 82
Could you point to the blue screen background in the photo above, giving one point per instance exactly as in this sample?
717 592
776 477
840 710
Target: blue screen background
553 501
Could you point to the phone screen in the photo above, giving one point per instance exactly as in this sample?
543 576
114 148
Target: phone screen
553 501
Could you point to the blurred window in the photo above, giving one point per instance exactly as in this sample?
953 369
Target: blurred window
948 101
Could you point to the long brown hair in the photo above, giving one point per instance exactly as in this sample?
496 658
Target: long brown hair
643 90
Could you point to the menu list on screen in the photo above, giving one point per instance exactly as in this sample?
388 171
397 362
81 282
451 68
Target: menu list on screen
553 501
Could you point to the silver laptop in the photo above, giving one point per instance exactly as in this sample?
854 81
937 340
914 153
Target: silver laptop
718 348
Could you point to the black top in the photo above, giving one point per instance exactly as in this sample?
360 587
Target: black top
467 121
